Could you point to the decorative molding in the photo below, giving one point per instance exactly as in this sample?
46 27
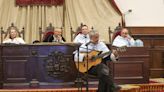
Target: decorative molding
56 64
39 2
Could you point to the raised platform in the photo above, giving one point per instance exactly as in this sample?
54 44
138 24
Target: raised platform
125 88
153 87
157 80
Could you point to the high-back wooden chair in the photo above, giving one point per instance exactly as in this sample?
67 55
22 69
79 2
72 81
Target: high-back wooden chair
78 31
49 30
110 34
5 33
75 33
116 32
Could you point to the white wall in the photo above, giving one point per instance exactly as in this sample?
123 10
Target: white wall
144 12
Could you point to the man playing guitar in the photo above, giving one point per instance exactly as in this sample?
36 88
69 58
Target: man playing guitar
100 69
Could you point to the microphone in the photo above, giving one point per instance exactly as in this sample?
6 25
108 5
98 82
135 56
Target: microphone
130 10
85 36
88 43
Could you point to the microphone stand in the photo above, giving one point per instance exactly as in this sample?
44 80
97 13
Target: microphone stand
78 80
87 86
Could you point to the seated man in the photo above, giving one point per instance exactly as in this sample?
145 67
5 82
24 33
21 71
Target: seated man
101 70
126 40
82 37
55 37
13 37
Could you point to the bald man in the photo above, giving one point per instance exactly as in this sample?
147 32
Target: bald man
56 37
124 39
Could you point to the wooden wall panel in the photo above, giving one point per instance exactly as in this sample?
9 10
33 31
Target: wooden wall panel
153 37
133 66
147 30
132 74
52 65
15 61
157 62
20 69
1 71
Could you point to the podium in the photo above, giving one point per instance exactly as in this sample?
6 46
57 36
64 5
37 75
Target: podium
37 65
51 65
132 66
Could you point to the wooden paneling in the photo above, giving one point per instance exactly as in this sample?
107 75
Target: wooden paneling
147 30
15 51
133 66
157 62
153 37
150 40
15 59
1 71
20 69
52 65
62 67
38 65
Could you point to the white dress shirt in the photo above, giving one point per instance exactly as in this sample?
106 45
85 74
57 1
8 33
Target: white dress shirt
120 41
81 38
57 40
17 40
98 47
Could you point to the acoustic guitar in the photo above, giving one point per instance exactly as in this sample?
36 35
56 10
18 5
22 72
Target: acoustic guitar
95 60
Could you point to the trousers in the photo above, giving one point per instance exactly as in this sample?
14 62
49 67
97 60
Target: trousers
103 73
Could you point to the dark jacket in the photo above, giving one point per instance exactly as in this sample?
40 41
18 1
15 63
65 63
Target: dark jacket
50 38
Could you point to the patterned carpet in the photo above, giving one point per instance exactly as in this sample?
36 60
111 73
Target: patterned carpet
157 80
155 85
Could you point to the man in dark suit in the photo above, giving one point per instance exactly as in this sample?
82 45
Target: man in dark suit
55 36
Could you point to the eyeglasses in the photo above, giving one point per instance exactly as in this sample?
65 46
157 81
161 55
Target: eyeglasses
125 33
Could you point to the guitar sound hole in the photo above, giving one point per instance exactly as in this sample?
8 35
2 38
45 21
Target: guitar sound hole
84 65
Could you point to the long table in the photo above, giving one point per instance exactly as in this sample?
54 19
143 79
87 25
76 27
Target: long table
50 65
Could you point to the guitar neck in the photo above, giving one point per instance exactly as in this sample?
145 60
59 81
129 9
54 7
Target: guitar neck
102 55
121 49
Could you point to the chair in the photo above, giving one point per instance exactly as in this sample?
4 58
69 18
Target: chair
75 33
78 31
43 34
117 32
110 33
5 33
